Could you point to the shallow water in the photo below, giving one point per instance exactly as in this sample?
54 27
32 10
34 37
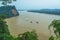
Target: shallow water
28 21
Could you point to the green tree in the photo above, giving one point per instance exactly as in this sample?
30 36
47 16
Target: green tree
3 16
4 31
56 27
3 25
5 36
4 2
27 36
51 38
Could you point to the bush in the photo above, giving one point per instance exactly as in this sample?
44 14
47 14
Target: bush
27 36
56 28
3 16
4 36
51 38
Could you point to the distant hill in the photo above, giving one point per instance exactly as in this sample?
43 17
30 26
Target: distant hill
9 11
47 11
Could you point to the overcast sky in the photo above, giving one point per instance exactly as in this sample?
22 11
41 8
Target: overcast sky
37 4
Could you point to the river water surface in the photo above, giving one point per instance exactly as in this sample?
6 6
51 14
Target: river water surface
28 21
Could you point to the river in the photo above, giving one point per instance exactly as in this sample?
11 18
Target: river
28 21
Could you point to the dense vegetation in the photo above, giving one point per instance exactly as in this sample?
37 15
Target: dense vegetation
56 28
47 11
4 32
27 36
7 10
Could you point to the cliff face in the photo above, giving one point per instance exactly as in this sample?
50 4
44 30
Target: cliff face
9 11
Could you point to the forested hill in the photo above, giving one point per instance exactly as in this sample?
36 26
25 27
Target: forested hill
9 11
48 11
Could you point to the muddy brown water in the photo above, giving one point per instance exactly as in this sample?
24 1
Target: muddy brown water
28 21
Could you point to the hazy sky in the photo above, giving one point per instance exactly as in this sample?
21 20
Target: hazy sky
36 4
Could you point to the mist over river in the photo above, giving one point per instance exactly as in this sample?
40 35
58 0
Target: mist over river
28 21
